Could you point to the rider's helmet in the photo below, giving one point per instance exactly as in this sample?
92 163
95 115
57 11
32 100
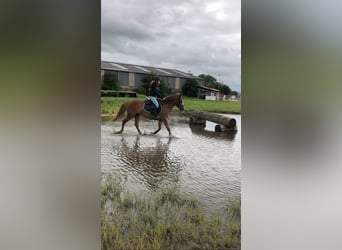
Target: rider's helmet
157 78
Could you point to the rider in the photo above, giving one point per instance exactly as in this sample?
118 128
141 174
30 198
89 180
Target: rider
154 93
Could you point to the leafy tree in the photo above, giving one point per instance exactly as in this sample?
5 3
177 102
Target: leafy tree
146 83
224 89
110 82
209 81
164 88
234 93
190 88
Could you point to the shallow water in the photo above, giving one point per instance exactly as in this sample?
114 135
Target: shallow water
201 162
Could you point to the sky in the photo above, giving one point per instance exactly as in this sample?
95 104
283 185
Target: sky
197 36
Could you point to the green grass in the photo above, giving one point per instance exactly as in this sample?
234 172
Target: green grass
111 105
194 104
168 220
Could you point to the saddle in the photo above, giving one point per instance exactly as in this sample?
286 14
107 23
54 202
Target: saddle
149 107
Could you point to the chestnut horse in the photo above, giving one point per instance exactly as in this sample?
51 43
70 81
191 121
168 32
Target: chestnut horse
135 109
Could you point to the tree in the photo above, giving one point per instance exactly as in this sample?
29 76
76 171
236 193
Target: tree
224 89
234 93
209 81
164 88
190 88
146 83
110 82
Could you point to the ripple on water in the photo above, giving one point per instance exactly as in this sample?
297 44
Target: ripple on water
201 162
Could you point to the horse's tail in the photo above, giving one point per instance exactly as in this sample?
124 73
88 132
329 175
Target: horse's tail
121 111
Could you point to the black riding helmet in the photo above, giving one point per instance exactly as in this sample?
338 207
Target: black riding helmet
157 78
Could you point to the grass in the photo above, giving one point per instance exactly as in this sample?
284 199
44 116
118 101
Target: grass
111 105
168 220
195 104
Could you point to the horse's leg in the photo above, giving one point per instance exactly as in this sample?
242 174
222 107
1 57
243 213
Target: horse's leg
159 127
137 122
167 125
127 118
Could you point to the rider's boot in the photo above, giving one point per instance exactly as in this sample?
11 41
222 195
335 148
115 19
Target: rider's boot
154 112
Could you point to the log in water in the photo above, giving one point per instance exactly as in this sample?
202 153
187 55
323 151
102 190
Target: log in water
225 122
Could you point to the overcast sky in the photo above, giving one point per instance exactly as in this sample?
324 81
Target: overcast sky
200 36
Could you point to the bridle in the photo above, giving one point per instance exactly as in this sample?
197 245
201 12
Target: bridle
180 104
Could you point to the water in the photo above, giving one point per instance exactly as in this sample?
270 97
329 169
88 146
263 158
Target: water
201 162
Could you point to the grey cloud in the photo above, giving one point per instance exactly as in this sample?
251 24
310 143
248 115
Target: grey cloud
128 29
186 35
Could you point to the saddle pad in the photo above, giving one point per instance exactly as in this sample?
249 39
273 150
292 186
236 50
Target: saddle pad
148 106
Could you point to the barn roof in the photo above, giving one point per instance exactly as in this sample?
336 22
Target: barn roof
207 88
116 66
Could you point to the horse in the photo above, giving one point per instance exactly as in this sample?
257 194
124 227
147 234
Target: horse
135 108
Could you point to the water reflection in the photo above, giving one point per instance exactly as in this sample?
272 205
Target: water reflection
201 162
202 131
150 160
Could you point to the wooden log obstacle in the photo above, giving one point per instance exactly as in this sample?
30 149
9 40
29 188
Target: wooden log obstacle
224 123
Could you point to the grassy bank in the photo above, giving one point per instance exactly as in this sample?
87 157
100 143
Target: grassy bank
111 105
168 220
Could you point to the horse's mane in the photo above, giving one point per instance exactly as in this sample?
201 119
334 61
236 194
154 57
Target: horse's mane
171 98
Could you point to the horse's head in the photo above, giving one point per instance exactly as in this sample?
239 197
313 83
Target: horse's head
176 100
179 102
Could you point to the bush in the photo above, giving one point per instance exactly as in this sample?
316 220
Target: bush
190 88
164 89
146 83
110 82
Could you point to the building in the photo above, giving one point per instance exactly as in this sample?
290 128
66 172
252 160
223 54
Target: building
211 94
130 76
207 93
